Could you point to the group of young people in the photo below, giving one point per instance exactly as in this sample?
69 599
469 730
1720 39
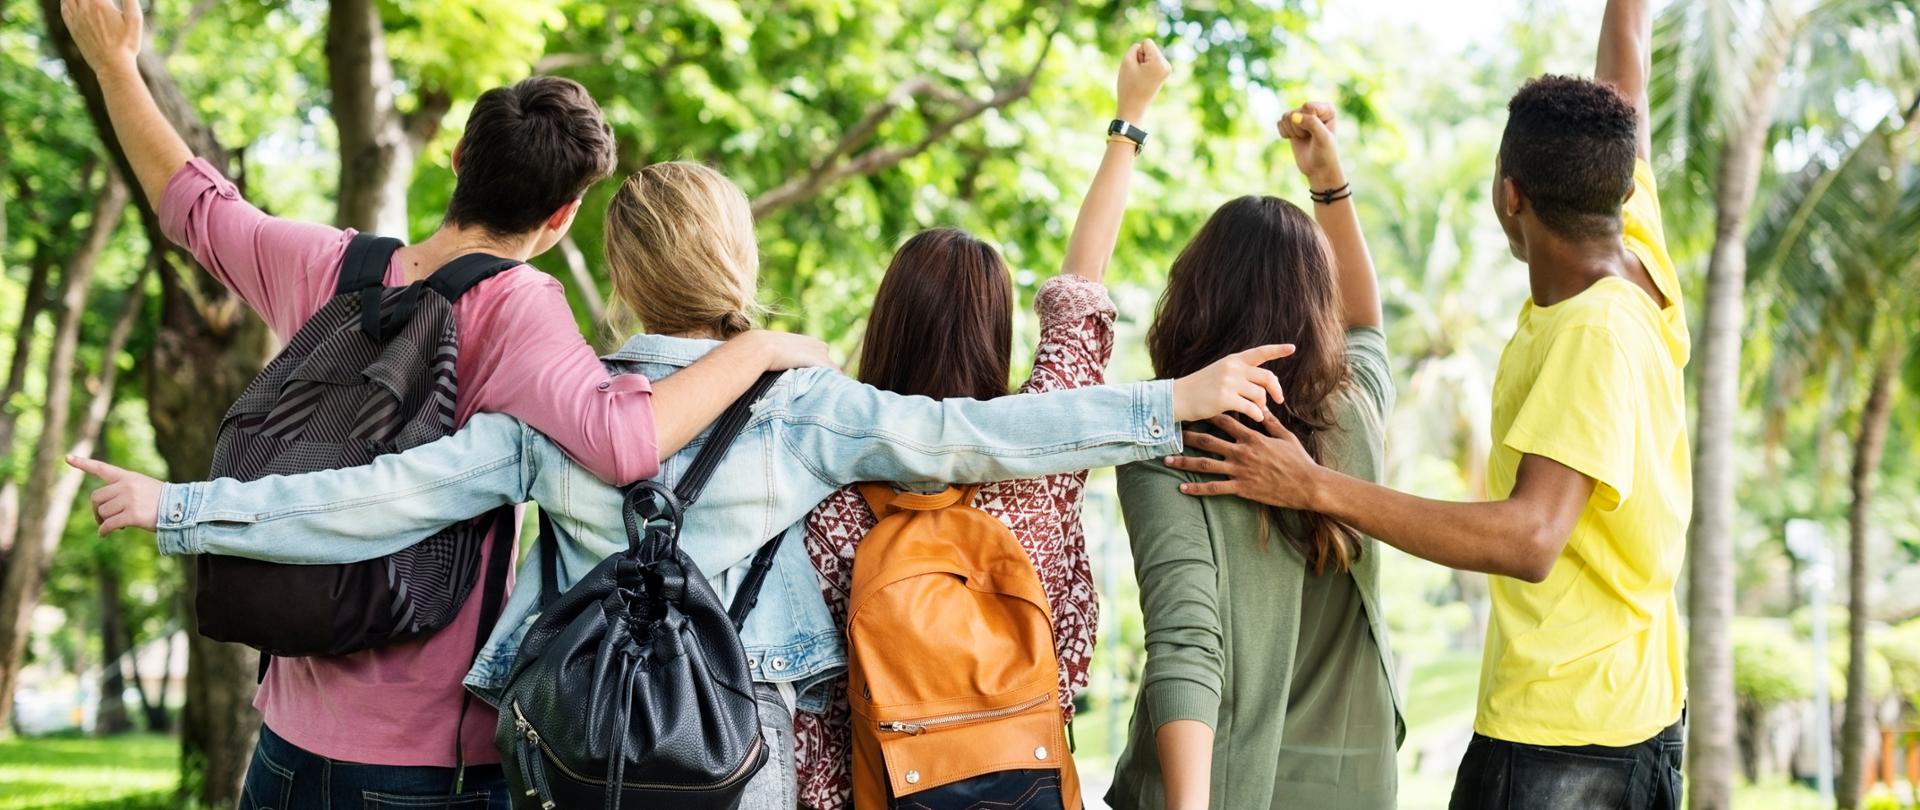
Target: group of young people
1267 681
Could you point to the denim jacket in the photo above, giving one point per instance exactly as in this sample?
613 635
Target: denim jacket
813 432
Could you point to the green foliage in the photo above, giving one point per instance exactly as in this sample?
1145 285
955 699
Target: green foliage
1770 667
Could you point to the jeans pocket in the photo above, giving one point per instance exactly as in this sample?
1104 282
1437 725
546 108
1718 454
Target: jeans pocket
477 800
268 786
1554 779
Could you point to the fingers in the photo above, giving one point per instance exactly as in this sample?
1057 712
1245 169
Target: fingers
1209 466
1271 382
1136 53
1317 128
96 468
1262 355
1239 432
1209 443
1150 53
1272 425
130 11
1319 109
1210 488
115 523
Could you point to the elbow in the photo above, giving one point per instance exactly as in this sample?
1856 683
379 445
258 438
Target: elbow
1534 552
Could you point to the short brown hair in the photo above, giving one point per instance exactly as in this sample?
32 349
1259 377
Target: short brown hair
1259 272
529 149
942 322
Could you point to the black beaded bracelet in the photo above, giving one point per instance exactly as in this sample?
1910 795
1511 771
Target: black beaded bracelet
1331 194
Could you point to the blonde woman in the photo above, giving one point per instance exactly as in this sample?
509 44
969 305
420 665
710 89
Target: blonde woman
681 253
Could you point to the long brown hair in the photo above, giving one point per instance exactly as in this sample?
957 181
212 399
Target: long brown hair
942 322
1259 272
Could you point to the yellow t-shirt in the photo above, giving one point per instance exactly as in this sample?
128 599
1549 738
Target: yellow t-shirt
1592 656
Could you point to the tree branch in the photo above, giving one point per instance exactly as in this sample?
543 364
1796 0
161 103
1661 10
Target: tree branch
200 10
840 163
423 122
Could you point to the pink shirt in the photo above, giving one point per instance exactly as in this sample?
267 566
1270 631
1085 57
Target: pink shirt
521 354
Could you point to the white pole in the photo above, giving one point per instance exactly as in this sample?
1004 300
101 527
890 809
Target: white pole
1808 541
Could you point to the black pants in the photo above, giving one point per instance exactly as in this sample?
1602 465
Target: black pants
1498 775
285 777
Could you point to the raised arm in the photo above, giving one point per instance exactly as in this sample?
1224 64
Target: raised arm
1309 132
109 39
1090 248
1626 58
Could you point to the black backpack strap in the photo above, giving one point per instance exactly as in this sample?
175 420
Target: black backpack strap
749 593
365 264
493 594
549 547
725 430
456 277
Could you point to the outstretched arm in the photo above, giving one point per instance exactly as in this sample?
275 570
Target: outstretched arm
1090 248
109 39
1519 537
1309 131
1626 59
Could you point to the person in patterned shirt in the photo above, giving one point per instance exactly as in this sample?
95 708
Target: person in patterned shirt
942 327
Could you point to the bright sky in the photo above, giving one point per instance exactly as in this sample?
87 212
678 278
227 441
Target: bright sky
1447 22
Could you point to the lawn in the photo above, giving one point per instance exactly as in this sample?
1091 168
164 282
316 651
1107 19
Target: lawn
140 772
136 772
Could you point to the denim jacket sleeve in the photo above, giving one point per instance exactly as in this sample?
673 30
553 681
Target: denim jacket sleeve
357 513
846 431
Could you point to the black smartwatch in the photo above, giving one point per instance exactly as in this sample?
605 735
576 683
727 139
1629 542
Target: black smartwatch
1130 132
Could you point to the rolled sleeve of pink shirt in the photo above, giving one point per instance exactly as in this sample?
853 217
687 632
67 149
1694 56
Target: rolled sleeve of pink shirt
548 377
264 259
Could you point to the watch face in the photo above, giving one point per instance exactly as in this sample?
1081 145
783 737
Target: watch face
1117 127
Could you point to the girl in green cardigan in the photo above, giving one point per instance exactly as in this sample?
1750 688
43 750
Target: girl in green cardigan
1267 678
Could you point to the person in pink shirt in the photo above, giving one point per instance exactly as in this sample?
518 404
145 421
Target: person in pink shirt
387 723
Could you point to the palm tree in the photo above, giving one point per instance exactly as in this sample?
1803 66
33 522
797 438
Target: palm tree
1717 101
1837 252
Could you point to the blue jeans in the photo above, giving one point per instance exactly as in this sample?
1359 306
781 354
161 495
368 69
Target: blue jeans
1498 775
285 777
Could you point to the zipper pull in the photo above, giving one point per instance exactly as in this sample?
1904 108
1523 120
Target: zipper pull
914 729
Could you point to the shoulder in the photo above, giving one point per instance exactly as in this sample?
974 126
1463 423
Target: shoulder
1614 312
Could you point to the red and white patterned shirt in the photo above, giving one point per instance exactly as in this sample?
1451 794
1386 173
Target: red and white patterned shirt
1076 340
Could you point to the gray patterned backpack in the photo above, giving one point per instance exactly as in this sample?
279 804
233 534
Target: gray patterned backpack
370 373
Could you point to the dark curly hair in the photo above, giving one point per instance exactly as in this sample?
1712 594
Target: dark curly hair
1569 146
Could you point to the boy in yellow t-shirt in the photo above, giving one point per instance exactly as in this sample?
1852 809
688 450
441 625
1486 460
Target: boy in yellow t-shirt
1582 687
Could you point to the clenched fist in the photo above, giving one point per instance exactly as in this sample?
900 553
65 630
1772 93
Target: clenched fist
1142 70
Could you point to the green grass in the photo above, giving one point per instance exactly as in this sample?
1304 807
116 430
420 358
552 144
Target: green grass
135 772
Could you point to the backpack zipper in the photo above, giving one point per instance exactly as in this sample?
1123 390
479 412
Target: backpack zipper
921 725
526 730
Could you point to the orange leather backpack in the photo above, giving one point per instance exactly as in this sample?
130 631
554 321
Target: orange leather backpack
953 678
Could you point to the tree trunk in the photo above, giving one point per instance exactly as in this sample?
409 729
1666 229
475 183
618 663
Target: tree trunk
377 143
112 718
1711 751
40 270
38 273
1859 723
28 562
207 348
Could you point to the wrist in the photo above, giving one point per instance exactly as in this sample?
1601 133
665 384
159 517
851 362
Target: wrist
115 67
1326 179
1131 112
